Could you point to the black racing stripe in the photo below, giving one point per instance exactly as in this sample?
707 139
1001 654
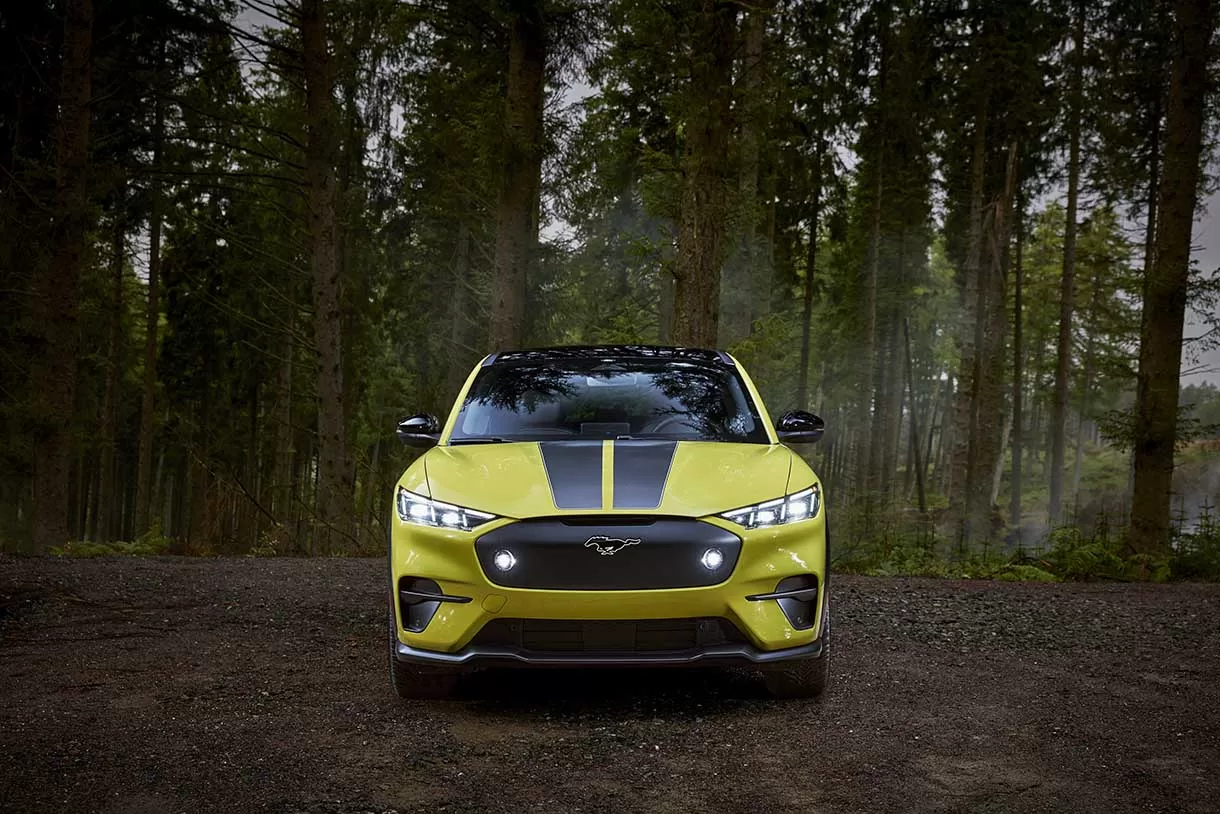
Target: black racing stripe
640 471
574 469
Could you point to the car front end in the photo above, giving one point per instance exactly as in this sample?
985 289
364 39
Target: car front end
639 537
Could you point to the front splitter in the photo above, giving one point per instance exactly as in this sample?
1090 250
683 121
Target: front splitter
726 654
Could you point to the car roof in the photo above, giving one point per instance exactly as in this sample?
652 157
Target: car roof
610 352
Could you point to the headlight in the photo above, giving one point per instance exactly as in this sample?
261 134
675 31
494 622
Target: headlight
791 509
413 508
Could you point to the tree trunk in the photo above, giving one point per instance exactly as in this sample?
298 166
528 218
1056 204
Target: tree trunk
1067 291
282 480
739 300
1014 506
55 290
887 423
934 415
334 503
665 306
958 476
815 215
459 327
1164 312
869 390
148 396
108 490
916 439
1086 392
517 208
701 231
997 472
989 441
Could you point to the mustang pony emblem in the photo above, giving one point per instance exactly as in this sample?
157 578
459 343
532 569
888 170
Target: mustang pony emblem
608 545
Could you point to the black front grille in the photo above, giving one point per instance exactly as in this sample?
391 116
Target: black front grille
608 553
607 636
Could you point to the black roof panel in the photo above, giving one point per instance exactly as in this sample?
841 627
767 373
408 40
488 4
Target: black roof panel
610 352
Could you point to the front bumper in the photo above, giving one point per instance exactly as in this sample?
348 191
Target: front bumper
767 557
726 654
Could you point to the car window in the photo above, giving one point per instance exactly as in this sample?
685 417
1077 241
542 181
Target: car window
597 399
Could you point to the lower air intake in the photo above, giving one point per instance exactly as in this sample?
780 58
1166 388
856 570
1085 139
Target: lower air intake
627 636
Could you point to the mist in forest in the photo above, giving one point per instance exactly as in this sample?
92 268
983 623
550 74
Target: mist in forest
243 238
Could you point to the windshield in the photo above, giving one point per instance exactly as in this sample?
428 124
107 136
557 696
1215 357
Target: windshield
599 399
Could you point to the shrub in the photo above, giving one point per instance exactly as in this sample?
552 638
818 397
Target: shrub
150 544
1196 553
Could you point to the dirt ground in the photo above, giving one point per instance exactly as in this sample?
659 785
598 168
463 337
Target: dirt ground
232 685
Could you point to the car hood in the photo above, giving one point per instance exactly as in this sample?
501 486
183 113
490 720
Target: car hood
534 479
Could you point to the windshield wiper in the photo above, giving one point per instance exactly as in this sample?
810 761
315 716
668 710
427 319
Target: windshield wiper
484 439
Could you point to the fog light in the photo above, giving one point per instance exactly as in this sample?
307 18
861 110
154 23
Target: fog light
504 560
712 559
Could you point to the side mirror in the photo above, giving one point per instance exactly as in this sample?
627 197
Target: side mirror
422 430
799 427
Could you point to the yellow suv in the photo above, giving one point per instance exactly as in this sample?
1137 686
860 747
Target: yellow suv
608 506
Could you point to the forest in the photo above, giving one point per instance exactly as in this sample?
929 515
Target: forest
241 239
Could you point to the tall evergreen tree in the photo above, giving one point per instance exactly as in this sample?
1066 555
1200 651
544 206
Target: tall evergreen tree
1165 288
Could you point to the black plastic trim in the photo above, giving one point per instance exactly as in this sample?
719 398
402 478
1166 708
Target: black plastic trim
571 553
408 595
419 601
797 597
515 657
660 352
801 595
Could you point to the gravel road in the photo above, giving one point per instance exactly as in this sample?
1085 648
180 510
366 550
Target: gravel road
233 685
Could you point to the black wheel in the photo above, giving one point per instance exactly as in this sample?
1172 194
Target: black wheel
417 680
801 678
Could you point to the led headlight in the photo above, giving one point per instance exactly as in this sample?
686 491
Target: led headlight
413 508
791 509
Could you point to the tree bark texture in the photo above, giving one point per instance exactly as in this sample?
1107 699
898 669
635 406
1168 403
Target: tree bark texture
740 300
703 218
517 207
811 259
148 396
1067 287
964 429
52 312
1165 287
108 486
1018 318
459 328
334 483
988 442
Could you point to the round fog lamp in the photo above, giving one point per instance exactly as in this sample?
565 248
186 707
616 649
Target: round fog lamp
504 560
712 559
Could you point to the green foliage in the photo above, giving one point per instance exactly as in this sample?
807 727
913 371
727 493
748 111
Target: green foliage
152 544
1196 552
1118 427
851 162
1075 556
902 545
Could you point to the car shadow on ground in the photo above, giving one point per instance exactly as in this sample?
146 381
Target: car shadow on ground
668 693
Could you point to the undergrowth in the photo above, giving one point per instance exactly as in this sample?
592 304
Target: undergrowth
150 544
902 547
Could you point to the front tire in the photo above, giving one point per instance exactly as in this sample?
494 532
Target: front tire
417 681
801 678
